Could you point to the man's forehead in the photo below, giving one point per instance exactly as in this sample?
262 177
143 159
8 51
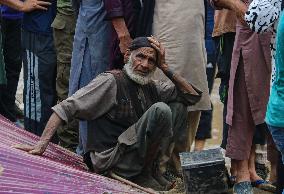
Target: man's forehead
147 51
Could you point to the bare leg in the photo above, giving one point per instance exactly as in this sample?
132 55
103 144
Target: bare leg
273 172
233 169
199 145
252 171
242 169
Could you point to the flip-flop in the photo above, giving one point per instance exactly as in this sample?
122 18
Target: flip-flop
264 185
243 187
231 180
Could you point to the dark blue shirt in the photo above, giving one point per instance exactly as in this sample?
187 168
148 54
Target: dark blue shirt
40 21
9 13
209 43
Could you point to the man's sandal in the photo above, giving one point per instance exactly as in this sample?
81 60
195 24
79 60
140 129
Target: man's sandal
264 185
243 187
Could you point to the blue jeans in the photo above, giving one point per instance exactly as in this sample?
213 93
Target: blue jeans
278 137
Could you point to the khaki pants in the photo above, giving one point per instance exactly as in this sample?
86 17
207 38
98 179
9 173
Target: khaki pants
63 32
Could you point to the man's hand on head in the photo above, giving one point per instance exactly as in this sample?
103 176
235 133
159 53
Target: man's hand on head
161 53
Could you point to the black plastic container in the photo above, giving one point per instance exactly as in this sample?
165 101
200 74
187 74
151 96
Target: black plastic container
204 172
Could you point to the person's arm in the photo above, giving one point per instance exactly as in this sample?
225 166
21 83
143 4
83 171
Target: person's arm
180 83
262 15
27 5
122 33
114 9
238 6
53 123
88 103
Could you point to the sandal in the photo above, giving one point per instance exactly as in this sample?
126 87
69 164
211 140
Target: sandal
264 185
243 187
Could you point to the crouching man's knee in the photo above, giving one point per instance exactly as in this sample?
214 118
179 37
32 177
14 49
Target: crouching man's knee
162 112
163 118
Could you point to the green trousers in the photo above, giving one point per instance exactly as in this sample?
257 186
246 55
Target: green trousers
63 32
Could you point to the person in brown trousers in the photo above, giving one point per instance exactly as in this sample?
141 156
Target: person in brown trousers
247 96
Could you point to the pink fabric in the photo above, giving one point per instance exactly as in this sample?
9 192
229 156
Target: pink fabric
242 130
57 171
256 57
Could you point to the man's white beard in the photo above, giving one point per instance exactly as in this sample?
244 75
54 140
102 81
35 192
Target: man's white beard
139 79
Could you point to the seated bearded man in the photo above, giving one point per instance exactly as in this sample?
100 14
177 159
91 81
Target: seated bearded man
137 119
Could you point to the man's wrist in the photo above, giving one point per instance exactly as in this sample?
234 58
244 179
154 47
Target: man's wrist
20 6
122 35
169 73
229 4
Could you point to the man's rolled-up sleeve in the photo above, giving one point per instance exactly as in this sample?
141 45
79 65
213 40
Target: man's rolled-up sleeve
262 15
114 8
91 101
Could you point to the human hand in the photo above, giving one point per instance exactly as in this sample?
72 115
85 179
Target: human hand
30 5
124 42
161 53
226 4
37 149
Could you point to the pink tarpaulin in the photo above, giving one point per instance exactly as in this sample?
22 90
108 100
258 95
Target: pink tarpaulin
57 171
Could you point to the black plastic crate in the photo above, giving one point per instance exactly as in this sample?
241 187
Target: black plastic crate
204 172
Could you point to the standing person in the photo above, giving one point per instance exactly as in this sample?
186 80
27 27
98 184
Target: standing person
11 22
224 35
39 59
180 25
26 6
246 111
205 124
263 16
63 34
274 114
99 21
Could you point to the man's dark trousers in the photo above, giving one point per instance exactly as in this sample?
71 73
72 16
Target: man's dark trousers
11 39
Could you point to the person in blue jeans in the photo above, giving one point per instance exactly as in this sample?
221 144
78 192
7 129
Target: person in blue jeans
275 107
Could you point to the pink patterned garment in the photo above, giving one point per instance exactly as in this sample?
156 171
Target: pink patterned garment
57 171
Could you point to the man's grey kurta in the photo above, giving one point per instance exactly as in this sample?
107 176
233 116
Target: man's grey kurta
99 98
